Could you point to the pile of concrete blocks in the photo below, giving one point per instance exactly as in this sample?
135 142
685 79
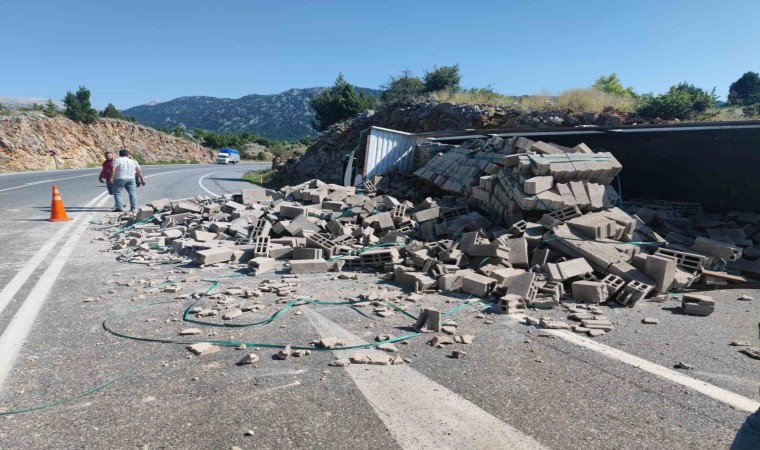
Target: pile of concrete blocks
505 177
525 224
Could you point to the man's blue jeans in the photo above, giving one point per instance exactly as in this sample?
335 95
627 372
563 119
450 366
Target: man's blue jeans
748 437
129 185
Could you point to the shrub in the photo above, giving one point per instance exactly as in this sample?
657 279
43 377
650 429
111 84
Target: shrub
682 101
611 85
444 78
745 90
338 103
78 107
403 89
111 112
751 110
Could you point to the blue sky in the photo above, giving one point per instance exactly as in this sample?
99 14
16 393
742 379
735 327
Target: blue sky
129 53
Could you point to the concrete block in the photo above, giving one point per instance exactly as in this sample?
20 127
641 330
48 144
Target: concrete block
291 211
545 148
524 285
307 253
143 213
280 251
305 266
426 214
511 304
213 255
160 204
697 305
614 284
251 196
662 270
503 275
202 236
301 226
261 265
569 269
518 252
450 282
420 281
590 291
429 320
633 292
539 184
717 249
186 207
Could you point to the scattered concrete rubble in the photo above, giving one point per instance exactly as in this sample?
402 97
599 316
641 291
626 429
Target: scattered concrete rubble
516 224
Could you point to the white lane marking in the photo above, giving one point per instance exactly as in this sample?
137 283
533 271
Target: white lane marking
418 412
21 324
38 182
43 181
732 399
200 183
89 175
200 180
10 290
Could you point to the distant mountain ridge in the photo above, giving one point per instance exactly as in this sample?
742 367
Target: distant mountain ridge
286 115
26 102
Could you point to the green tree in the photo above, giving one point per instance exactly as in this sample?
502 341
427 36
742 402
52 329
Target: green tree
444 78
611 84
745 90
111 112
338 103
180 131
50 109
682 101
78 107
403 89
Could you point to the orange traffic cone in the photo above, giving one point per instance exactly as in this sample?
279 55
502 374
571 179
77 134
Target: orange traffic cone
57 210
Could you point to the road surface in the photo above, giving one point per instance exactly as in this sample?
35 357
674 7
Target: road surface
516 388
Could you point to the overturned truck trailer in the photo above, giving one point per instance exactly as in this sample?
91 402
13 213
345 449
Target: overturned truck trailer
714 164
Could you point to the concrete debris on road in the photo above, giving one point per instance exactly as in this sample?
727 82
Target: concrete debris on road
510 224
250 358
203 348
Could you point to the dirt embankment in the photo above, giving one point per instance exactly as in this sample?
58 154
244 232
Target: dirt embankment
26 139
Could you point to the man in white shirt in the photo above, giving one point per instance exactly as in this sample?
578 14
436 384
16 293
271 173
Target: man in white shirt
123 176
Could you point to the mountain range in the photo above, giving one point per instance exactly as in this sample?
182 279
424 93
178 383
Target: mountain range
26 102
286 115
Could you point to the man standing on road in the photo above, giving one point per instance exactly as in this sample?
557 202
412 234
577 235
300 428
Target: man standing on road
106 172
123 176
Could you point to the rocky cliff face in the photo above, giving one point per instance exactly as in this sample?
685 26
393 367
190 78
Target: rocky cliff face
324 159
25 140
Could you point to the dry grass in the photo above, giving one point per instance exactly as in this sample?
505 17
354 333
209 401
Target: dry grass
475 97
592 100
588 99
538 102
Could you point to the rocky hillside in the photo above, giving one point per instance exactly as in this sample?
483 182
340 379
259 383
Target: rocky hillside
323 160
286 115
25 140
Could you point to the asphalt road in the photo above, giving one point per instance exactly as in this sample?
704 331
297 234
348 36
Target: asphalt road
517 387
